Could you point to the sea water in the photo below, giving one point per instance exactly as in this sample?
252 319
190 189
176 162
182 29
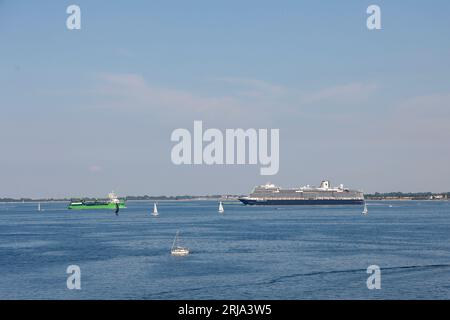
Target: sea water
298 252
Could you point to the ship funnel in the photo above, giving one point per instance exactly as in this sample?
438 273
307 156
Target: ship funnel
325 184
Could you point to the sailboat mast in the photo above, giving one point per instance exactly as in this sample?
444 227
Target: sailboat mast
175 240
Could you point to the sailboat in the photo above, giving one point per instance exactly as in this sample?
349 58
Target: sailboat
39 206
365 211
176 250
155 210
221 210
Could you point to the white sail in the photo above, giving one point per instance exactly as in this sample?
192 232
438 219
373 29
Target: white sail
155 210
365 211
39 206
221 209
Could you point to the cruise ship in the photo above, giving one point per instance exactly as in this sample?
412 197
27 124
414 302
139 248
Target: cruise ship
270 194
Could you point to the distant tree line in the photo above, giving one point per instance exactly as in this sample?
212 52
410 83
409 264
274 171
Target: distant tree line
407 195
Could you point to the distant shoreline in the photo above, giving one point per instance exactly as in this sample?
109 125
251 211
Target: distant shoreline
224 200
392 196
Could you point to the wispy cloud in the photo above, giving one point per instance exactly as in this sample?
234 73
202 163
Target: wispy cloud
351 92
133 91
124 53
423 118
95 168
427 106
254 87
240 97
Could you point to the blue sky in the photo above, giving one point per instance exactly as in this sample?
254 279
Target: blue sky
92 110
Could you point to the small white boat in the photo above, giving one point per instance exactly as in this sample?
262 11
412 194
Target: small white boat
155 210
221 209
176 250
365 211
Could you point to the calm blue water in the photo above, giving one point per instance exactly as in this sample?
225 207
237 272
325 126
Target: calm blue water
247 253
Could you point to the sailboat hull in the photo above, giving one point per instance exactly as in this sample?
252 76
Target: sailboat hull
180 252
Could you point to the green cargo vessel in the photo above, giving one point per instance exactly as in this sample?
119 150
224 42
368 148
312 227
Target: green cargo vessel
110 204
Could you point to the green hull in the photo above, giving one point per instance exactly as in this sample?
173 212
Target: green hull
95 206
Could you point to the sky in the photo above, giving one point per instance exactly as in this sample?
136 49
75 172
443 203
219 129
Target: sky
88 111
